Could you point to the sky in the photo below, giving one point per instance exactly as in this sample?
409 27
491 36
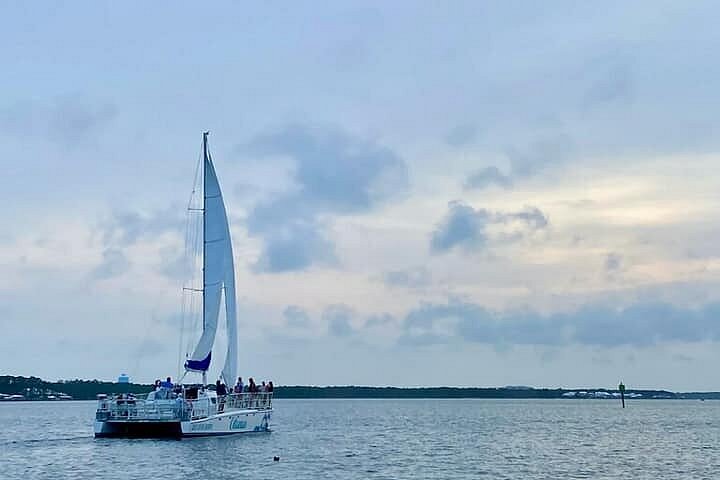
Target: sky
420 193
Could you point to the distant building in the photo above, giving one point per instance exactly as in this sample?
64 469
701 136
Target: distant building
123 378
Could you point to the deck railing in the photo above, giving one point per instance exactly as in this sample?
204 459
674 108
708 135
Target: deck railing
138 409
256 401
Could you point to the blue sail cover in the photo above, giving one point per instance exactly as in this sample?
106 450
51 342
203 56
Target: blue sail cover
198 365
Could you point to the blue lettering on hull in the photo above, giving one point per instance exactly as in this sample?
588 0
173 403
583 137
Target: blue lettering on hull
237 424
201 427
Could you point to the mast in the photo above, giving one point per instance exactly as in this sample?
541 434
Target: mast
204 230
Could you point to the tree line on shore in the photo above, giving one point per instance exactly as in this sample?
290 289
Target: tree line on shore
34 388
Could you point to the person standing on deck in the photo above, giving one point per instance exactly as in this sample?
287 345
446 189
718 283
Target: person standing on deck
221 391
238 386
167 384
178 407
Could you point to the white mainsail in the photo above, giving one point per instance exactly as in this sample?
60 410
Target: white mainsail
218 272
229 371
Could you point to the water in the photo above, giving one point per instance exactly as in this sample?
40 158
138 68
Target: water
393 439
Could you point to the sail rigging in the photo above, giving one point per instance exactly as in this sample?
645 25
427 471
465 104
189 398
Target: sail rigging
218 274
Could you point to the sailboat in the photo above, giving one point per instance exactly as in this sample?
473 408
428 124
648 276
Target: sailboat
187 409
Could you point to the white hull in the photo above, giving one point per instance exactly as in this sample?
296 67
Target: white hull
227 423
239 421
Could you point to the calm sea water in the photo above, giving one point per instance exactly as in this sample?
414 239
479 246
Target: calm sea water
358 439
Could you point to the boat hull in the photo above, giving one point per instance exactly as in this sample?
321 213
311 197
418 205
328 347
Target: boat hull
125 429
227 423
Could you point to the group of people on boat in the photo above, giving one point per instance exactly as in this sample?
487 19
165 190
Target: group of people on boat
128 399
241 387
241 395
166 388
225 393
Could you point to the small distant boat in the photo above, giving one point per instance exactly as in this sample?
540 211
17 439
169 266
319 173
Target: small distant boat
190 410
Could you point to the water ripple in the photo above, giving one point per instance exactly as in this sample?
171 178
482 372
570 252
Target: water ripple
385 439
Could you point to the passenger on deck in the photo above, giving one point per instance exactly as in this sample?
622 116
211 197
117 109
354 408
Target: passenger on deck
270 387
157 384
221 391
238 386
179 401
220 388
252 388
263 387
167 384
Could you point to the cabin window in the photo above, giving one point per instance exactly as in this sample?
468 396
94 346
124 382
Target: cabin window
212 400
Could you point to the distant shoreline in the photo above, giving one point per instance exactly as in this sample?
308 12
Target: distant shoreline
33 388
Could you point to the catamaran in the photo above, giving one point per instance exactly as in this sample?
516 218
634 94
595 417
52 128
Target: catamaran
187 410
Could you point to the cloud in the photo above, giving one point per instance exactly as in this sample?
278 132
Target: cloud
642 324
433 323
461 135
379 320
73 119
114 263
174 264
67 120
334 174
350 52
338 319
613 85
486 177
613 262
646 324
539 156
466 228
293 247
150 348
524 163
296 317
462 226
532 216
123 229
411 278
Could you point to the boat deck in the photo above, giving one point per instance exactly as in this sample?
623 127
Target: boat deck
175 410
